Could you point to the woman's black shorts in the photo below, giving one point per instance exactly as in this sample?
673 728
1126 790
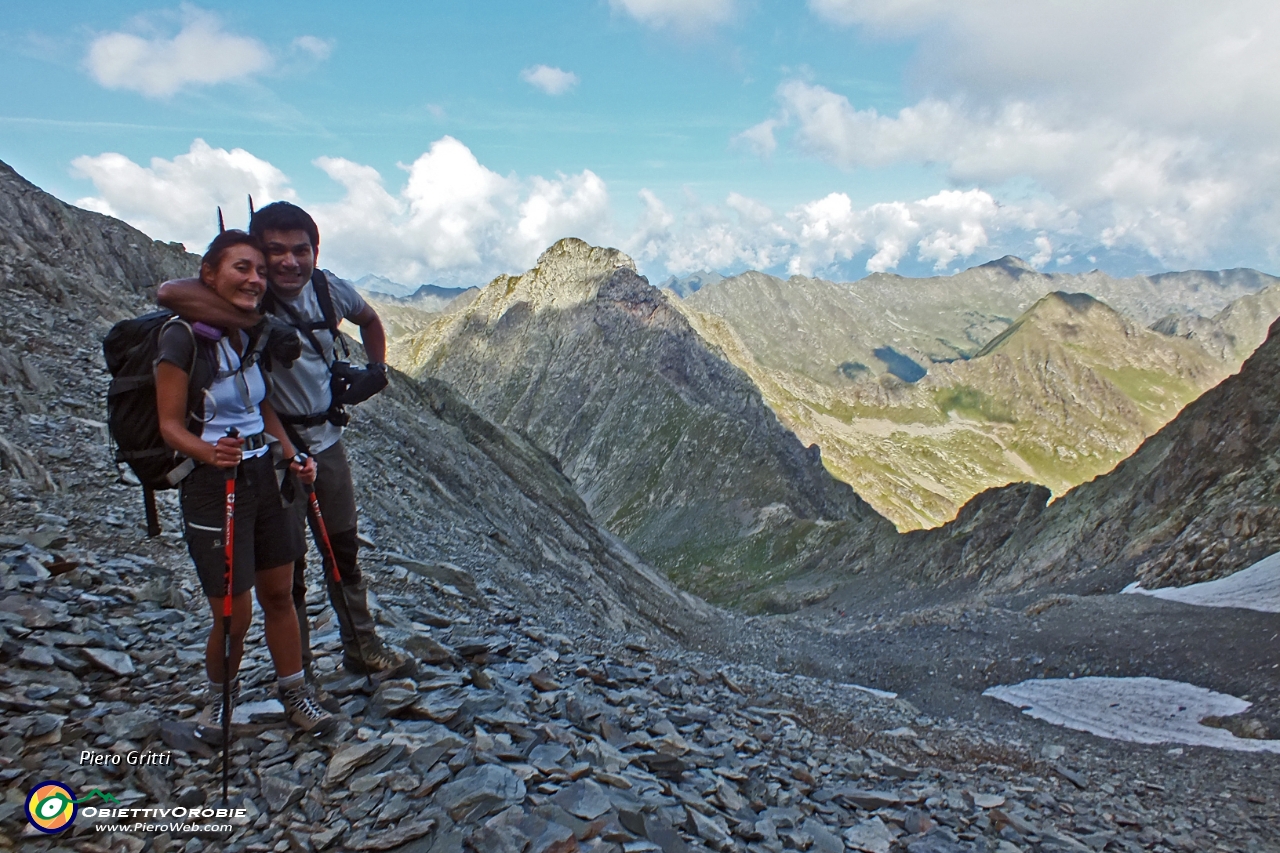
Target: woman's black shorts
266 535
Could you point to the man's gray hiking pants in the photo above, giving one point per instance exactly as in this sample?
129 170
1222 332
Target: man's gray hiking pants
336 495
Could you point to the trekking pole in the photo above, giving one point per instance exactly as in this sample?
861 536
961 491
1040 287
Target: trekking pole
228 538
314 503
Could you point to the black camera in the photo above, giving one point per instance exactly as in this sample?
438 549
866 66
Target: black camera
350 384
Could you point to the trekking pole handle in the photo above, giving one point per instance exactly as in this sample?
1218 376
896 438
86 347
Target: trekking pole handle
300 459
230 473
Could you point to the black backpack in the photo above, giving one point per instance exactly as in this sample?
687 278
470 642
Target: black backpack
130 350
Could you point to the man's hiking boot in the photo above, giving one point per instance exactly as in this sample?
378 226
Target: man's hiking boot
379 660
302 709
209 723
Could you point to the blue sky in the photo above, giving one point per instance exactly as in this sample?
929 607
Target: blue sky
451 141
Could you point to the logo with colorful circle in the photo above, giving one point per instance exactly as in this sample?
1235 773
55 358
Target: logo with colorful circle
51 806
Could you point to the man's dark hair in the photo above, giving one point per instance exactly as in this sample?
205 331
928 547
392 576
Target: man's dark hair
225 240
283 216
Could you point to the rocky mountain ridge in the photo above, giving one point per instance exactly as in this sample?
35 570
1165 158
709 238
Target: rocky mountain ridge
671 447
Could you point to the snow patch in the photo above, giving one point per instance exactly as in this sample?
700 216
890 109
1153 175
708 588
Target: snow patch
1138 710
1254 588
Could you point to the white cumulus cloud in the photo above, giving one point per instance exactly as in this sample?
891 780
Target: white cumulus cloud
454 219
759 138
1157 63
949 226
314 46
554 209
553 81
158 66
740 234
449 218
683 16
1156 123
177 199
1044 251
1175 196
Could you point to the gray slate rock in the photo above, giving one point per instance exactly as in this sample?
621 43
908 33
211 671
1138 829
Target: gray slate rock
584 799
280 793
347 759
870 836
131 725
480 791
869 800
116 663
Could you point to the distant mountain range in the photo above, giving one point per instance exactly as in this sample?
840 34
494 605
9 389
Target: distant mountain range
835 332
674 448
426 297
656 411
403 316
924 392
1196 502
691 283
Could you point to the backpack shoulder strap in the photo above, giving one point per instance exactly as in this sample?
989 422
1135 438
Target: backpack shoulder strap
324 296
200 372
195 343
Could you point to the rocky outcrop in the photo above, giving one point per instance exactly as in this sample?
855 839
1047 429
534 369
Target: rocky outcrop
1197 501
671 447
444 484
78 262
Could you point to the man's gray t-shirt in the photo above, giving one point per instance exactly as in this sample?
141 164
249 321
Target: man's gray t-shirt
304 388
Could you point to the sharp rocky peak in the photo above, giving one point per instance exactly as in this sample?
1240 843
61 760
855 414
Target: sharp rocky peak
569 273
1061 302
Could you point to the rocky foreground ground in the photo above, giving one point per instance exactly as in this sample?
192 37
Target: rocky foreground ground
522 733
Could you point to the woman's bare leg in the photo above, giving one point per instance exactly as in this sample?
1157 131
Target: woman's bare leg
274 588
241 614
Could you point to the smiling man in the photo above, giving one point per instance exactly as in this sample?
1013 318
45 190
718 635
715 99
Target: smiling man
313 302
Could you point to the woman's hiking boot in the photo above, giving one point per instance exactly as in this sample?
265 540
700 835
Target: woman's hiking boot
209 723
302 710
324 698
